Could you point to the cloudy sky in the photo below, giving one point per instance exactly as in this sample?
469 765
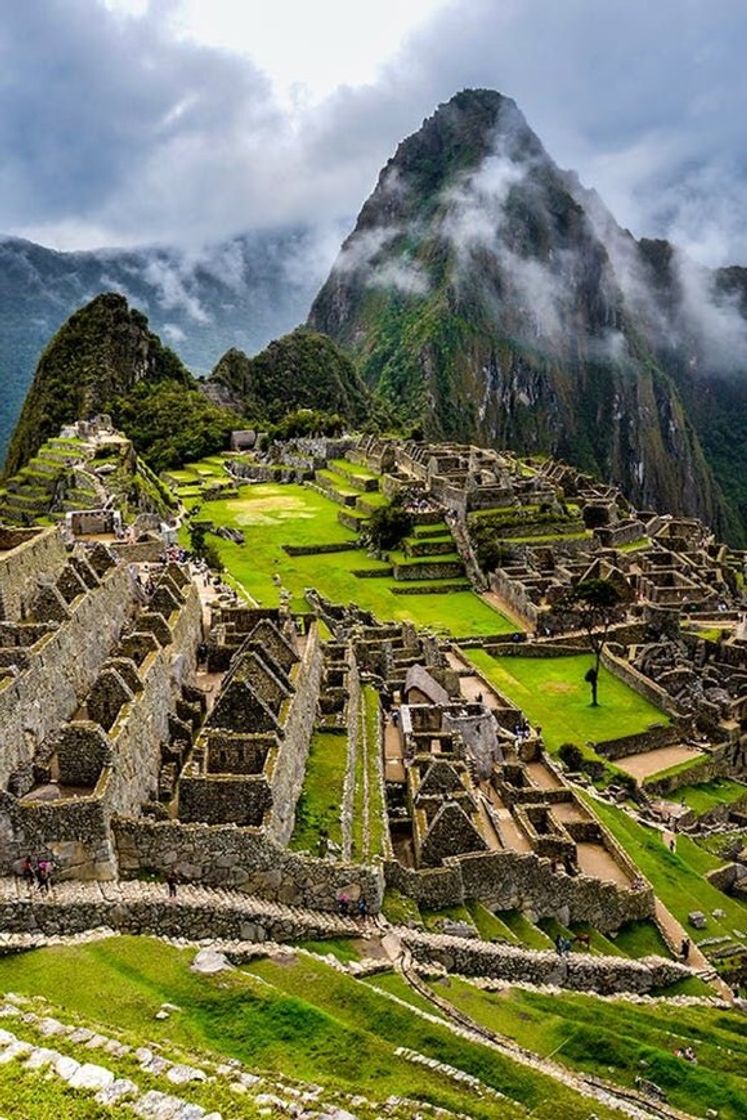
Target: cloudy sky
185 121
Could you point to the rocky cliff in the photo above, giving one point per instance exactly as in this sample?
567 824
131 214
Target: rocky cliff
484 290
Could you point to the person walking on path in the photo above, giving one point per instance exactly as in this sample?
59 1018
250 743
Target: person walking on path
685 948
27 871
171 884
43 875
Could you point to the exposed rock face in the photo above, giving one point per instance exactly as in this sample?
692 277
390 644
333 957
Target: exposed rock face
104 350
486 293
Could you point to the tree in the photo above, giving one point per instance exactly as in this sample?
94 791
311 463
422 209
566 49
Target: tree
597 603
202 547
389 526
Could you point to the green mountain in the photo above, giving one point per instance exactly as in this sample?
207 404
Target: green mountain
485 292
304 369
105 359
241 292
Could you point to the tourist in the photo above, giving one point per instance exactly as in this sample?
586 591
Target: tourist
27 871
672 844
343 905
323 846
685 948
43 875
362 907
171 884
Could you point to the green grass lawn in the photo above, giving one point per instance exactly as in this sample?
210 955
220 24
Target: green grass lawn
298 1017
677 877
707 795
614 1039
641 939
272 515
553 693
321 796
36 1097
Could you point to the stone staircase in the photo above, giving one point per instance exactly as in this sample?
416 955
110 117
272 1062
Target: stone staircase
196 913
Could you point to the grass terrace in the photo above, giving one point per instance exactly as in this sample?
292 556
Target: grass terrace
705 796
294 1016
617 1041
272 515
554 695
321 795
678 878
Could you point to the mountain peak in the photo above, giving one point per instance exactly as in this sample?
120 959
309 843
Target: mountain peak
487 294
103 350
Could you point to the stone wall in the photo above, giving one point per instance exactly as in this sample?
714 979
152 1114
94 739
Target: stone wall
62 666
522 881
142 552
352 718
435 569
75 831
582 972
719 762
652 692
143 724
224 798
626 745
242 858
290 764
517 598
31 557
196 919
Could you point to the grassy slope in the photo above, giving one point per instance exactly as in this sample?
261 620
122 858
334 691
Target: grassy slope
612 1039
273 515
321 795
552 692
707 795
677 877
299 1018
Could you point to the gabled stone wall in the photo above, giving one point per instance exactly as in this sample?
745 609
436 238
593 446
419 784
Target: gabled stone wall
31 555
62 666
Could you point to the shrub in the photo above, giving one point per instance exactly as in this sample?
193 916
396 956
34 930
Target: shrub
389 526
571 756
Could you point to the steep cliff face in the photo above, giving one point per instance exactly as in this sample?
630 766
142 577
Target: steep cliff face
486 292
102 352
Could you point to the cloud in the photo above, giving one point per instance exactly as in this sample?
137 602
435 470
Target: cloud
115 131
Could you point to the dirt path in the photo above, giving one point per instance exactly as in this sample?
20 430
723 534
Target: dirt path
643 765
674 934
394 767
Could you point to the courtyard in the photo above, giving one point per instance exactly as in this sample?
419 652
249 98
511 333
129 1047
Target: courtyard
554 695
271 516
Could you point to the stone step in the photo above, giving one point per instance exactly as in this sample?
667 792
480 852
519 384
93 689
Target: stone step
156 909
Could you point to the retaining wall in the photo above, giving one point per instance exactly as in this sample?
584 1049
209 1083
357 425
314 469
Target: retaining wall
242 858
522 881
579 971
